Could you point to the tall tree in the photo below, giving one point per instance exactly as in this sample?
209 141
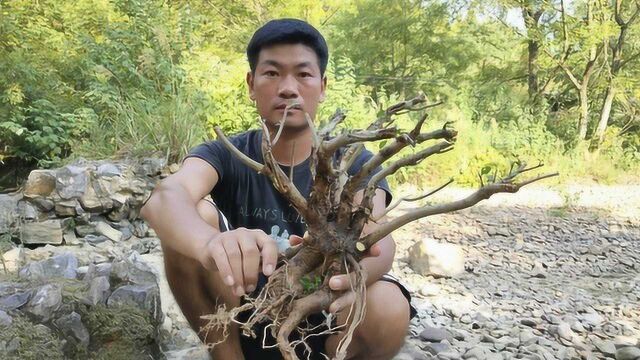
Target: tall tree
616 63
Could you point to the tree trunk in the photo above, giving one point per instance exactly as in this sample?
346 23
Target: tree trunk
605 113
533 68
584 113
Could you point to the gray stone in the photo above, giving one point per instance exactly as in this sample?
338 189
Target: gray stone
628 353
59 266
96 199
436 348
564 331
478 353
8 211
45 302
108 170
194 353
85 229
45 232
5 319
97 270
431 258
71 181
106 230
606 347
95 239
133 270
146 297
70 238
592 319
72 327
99 291
432 334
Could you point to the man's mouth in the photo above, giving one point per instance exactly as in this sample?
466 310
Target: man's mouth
291 108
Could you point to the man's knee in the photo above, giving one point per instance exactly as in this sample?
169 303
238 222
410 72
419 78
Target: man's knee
385 305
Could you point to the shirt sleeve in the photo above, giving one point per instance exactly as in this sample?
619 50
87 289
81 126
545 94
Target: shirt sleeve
365 155
214 153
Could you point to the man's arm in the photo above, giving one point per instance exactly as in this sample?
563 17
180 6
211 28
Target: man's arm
171 211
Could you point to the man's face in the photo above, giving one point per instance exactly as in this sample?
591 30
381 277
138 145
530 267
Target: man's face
286 74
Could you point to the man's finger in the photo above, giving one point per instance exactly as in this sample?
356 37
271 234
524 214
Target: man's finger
341 282
235 261
342 302
269 250
295 240
219 255
250 262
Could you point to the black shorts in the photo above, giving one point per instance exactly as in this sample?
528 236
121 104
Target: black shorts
252 348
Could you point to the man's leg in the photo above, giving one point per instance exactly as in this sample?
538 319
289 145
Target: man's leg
199 292
381 333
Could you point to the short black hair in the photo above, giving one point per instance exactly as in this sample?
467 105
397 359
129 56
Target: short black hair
287 31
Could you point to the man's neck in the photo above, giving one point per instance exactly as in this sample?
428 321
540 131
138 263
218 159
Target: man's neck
299 141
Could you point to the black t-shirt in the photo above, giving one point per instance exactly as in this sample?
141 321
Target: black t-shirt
249 200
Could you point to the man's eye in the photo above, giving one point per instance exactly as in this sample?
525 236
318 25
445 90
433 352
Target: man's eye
305 74
271 73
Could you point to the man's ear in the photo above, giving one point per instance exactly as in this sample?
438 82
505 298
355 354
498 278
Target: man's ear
249 80
323 88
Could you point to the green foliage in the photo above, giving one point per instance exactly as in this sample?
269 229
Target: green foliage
309 284
102 78
34 341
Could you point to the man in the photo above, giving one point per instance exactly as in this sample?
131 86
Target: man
216 252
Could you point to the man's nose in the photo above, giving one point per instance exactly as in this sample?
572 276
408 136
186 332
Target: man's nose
288 88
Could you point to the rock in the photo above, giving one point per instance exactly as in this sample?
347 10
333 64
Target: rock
432 334
70 238
431 258
46 300
13 296
194 353
108 170
608 348
71 181
108 231
529 322
60 266
95 239
40 183
592 319
72 327
436 348
133 270
628 353
5 319
8 211
150 167
140 229
99 291
97 270
45 232
564 331
67 208
95 199
13 259
478 353
85 229
146 297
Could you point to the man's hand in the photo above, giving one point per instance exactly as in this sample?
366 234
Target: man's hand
342 282
236 255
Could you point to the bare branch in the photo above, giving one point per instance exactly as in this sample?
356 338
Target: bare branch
481 194
411 199
242 157
337 118
284 119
